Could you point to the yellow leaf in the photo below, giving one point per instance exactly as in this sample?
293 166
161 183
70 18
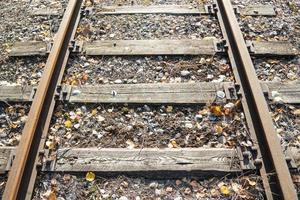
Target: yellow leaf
50 145
174 143
10 109
219 129
84 77
252 183
90 176
52 196
13 125
216 110
169 109
68 124
94 112
74 82
224 190
258 39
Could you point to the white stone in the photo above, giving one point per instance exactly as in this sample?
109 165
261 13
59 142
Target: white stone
185 73
118 81
100 118
221 94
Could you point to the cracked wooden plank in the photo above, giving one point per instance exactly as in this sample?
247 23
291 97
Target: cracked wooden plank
250 10
288 92
147 93
258 10
29 48
46 12
15 93
146 160
280 48
153 9
150 47
202 92
156 47
6 154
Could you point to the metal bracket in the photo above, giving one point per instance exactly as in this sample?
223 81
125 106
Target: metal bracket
290 159
266 91
65 93
236 10
87 11
209 9
10 160
246 159
230 91
220 46
32 94
49 47
48 164
77 46
250 46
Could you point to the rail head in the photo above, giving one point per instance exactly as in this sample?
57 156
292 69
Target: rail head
42 100
273 157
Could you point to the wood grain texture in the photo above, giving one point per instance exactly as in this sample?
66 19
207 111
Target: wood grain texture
5 155
289 92
124 160
281 48
258 10
29 48
147 93
46 12
155 47
202 92
153 9
250 10
15 93
150 47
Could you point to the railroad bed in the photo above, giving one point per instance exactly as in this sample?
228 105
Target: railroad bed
149 99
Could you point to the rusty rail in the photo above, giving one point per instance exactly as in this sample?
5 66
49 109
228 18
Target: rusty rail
275 172
23 172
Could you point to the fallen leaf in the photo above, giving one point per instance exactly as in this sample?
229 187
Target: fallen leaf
214 193
174 144
219 129
224 190
50 195
216 110
227 111
13 125
84 77
68 124
94 112
130 144
252 183
74 82
203 112
258 39
296 112
169 109
10 109
235 187
90 176
50 145
200 195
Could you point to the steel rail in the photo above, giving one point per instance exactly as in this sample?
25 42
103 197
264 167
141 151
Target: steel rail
24 164
279 182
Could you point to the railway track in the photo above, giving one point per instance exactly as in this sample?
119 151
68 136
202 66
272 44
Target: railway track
147 125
